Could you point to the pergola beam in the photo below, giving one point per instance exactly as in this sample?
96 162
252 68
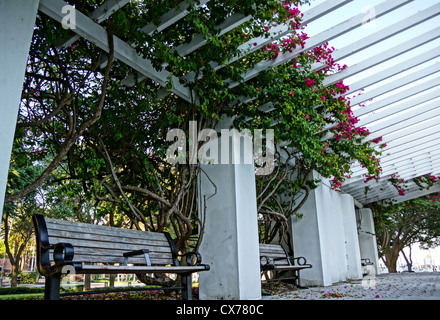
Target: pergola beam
415 194
386 33
405 119
394 70
172 16
399 108
321 38
382 57
93 32
410 92
99 15
420 74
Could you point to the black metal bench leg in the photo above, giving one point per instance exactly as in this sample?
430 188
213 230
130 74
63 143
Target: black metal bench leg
52 287
298 281
187 286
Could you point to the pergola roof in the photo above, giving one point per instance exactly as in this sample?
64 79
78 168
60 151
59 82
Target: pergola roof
393 58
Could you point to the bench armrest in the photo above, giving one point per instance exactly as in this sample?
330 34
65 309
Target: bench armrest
300 261
366 261
144 252
265 261
192 258
62 253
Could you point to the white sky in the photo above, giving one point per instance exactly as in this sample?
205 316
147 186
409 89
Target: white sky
357 7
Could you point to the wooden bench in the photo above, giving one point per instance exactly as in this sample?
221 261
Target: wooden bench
72 247
273 257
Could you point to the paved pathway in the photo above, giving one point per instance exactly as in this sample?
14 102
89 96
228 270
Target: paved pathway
399 286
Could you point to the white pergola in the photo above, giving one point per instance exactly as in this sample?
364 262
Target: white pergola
403 109
391 48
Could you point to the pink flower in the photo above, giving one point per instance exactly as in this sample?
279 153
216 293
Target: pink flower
310 82
307 116
322 98
292 93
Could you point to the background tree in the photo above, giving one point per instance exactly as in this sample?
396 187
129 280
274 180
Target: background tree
402 225
16 222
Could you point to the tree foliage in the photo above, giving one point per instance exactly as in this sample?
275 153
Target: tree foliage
401 225
102 126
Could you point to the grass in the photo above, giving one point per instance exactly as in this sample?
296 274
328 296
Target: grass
24 296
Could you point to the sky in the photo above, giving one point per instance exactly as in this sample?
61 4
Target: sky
367 7
357 7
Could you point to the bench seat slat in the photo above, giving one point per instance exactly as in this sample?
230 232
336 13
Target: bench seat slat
79 227
140 269
112 245
105 238
116 257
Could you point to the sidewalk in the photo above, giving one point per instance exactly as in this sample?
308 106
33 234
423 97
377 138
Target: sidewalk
398 286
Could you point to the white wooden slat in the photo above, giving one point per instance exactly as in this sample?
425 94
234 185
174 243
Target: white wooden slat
415 194
405 105
386 55
172 16
199 40
418 75
280 31
99 15
321 38
402 120
411 91
394 70
96 34
386 33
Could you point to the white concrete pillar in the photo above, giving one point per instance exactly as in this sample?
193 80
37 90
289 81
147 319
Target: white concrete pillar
230 240
367 237
354 269
17 19
319 236
308 242
327 237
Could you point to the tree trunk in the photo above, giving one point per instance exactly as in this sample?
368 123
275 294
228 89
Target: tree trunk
87 281
408 259
14 275
112 280
390 260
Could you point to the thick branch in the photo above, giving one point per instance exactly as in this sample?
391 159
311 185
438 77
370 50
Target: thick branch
74 137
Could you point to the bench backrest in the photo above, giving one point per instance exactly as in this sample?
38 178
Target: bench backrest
276 252
103 244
